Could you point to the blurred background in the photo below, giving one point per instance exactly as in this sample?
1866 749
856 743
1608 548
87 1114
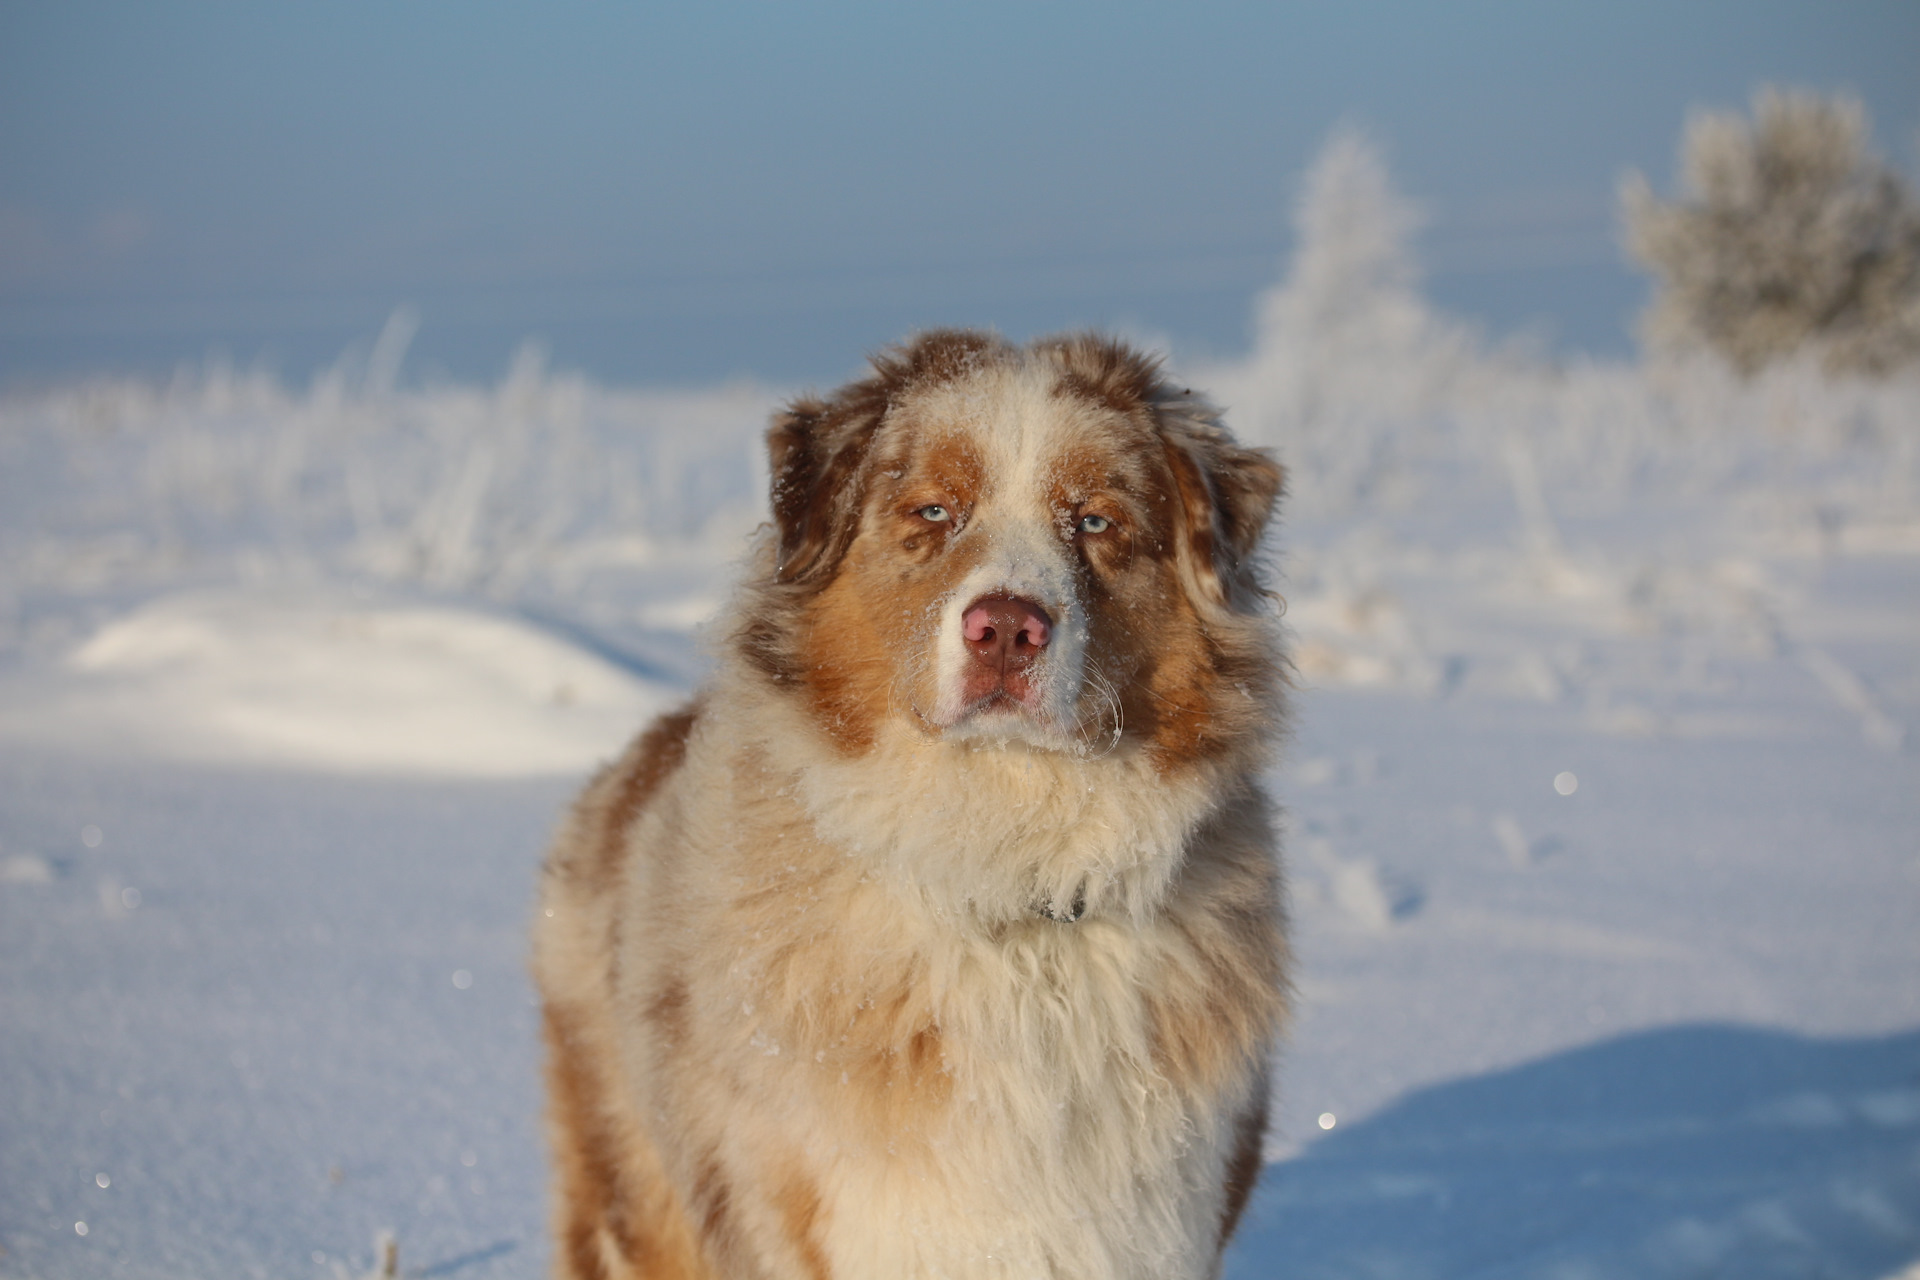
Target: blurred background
680 193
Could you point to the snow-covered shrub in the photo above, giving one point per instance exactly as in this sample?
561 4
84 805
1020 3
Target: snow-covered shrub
519 489
1377 400
1790 234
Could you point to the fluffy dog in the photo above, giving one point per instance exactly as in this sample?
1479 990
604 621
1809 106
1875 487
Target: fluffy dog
941 935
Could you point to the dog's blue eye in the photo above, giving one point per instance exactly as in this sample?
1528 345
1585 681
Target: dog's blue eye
1095 524
935 513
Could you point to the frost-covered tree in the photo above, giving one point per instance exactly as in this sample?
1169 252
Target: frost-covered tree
1352 370
1789 234
1353 279
1347 332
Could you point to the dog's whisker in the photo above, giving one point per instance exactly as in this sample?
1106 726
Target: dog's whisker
1102 685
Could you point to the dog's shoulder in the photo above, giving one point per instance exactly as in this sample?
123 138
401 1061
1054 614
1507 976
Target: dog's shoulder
591 844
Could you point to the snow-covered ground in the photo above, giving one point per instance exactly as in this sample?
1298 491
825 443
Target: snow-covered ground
1604 801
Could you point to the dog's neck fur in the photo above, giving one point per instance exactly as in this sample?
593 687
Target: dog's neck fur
1067 836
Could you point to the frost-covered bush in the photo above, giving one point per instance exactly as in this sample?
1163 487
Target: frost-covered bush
1352 368
1790 235
1379 400
510 490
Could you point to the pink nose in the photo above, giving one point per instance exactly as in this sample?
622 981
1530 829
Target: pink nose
1006 632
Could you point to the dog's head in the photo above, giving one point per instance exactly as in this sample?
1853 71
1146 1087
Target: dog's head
1045 544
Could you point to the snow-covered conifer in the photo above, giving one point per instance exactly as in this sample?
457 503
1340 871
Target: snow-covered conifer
1346 334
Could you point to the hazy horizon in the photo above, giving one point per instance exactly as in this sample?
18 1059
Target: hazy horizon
671 197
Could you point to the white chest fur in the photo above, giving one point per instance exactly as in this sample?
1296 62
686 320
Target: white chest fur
970 1087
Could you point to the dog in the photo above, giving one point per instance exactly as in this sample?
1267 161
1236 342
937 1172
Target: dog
941 935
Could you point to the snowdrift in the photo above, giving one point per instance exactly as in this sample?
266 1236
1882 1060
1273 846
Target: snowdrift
326 681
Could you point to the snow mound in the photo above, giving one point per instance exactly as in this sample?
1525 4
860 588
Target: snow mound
340 684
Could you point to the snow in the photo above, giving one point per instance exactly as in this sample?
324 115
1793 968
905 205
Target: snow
334 683
1602 801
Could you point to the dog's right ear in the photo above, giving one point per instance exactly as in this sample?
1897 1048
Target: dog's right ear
817 454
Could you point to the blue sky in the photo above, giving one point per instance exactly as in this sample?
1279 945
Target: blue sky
675 194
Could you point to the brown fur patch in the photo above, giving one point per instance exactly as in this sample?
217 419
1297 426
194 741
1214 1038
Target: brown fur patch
898 1060
618 1216
1105 371
1122 481
1196 519
668 1008
1243 1166
712 1200
1227 495
818 453
936 356
712 1196
638 775
845 668
764 643
1247 483
1221 998
947 471
798 1201
1173 703
591 850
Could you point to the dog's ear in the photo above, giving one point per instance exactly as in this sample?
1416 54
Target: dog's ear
817 453
1226 495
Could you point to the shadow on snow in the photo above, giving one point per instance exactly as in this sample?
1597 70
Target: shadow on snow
1689 1151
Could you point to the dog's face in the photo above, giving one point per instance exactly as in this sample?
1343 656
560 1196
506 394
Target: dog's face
1042 545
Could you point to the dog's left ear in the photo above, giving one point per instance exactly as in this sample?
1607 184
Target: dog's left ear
1227 493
